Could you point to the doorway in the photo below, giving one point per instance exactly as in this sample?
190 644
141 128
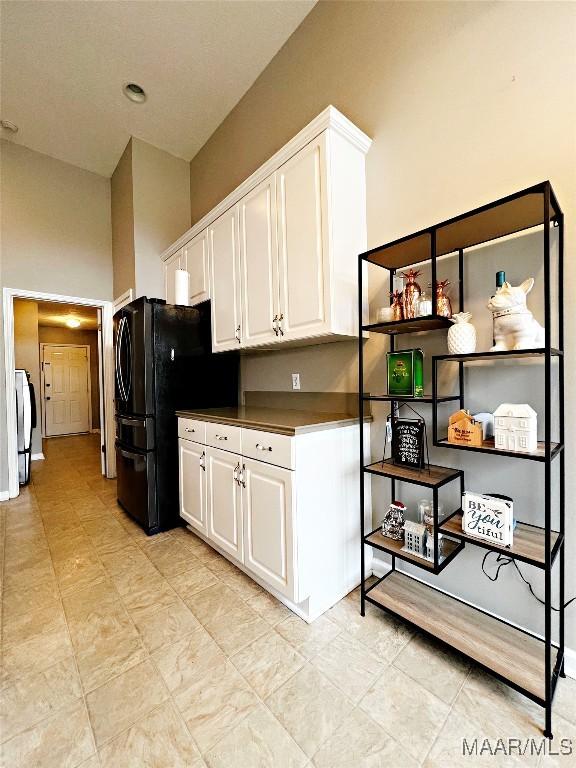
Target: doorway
66 386
68 350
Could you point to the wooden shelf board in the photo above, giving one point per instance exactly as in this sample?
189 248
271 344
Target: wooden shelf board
414 325
430 476
508 354
392 547
509 652
528 540
427 398
488 447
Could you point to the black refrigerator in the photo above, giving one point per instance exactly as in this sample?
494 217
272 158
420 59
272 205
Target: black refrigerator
163 363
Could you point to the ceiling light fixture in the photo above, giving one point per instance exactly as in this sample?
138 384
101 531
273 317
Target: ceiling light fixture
134 92
9 126
72 322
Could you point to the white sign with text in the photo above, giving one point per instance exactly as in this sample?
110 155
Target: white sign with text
487 517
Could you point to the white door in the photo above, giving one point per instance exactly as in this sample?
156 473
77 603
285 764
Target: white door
303 242
225 281
192 471
269 540
259 264
224 501
170 267
196 262
66 389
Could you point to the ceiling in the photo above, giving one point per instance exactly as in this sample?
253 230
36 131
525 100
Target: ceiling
55 314
64 65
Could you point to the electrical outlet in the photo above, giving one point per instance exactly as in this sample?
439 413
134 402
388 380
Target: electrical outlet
295 381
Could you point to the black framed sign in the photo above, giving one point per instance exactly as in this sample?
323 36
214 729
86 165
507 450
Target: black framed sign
408 442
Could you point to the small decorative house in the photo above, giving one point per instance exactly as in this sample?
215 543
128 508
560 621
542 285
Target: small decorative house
429 553
515 427
414 538
464 430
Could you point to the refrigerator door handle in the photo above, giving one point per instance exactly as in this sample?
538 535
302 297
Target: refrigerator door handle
119 380
131 422
129 454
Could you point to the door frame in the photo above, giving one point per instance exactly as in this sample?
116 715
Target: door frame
44 344
108 434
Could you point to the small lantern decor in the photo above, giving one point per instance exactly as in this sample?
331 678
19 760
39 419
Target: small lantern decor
515 427
394 519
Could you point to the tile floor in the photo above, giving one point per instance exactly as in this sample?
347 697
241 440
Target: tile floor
127 651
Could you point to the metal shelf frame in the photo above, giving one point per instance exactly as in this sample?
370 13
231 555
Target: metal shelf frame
536 206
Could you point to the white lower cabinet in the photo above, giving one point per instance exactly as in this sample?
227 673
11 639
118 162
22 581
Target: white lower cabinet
192 471
225 501
268 511
266 501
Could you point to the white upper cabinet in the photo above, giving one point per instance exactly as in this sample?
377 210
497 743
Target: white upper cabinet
224 260
174 262
259 264
283 247
303 243
196 256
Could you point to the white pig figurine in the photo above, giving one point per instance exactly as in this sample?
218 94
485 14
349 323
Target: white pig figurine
514 324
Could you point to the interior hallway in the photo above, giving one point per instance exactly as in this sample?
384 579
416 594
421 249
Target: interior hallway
128 651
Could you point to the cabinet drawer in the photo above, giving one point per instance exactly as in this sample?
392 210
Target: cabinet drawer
192 429
224 436
268 447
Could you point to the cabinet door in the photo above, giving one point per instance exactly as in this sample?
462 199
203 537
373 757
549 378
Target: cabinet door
259 264
303 242
170 267
225 281
224 501
192 469
269 539
196 260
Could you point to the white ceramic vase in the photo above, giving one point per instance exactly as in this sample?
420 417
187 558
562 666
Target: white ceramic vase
462 335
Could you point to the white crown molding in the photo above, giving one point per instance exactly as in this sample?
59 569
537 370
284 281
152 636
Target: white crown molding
329 118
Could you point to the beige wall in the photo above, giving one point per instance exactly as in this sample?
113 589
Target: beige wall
466 102
122 214
150 209
27 356
52 335
56 236
161 191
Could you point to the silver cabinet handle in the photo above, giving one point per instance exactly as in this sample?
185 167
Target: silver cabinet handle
280 329
275 324
187 429
221 437
237 334
241 480
235 473
260 447
203 461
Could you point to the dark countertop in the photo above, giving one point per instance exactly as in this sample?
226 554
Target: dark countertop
282 421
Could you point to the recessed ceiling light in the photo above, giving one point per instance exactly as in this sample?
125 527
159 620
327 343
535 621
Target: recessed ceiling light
9 126
72 322
134 92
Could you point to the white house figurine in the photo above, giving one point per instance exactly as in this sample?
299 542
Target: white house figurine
414 538
515 427
514 325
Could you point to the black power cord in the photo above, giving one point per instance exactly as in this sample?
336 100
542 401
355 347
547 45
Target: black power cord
503 560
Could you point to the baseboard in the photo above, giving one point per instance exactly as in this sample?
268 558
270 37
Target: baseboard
570 662
4 496
37 457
